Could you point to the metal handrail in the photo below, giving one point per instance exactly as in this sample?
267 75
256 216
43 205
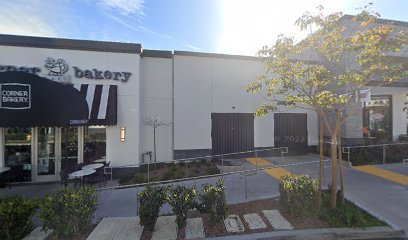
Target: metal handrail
207 176
283 151
346 150
377 145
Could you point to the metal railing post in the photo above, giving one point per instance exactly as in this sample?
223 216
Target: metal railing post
384 154
246 184
186 163
137 201
256 161
222 163
148 172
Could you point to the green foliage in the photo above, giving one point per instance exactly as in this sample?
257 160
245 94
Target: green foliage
346 215
181 200
211 170
69 211
213 201
151 200
16 216
298 195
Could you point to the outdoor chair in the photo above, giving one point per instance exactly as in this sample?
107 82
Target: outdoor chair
97 177
107 171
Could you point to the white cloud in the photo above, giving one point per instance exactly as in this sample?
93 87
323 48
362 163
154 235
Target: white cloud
20 18
192 47
247 25
125 7
138 28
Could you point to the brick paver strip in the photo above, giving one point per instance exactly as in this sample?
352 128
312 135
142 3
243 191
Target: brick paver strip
165 229
233 224
37 234
277 221
107 229
194 228
254 221
131 229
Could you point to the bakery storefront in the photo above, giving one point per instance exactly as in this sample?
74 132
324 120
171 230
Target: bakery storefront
59 111
44 121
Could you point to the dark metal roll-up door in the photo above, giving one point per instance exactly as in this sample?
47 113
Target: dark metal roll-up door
232 132
291 132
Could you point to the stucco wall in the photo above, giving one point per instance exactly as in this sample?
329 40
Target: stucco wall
205 85
156 94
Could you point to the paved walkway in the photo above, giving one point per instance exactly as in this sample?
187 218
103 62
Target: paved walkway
381 197
129 228
277 172
385 174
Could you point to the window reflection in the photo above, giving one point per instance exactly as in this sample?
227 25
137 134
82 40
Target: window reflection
377 119
94 143
18 153
46 151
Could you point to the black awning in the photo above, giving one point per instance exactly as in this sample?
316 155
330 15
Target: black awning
27 100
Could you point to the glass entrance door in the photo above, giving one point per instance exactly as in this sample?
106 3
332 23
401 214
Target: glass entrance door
17 153
69 149
47 157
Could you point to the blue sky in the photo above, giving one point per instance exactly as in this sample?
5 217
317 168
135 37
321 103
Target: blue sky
220 26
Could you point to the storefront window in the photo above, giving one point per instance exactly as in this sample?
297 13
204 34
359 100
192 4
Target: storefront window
46 151
94 143
18 153
69 148
377 119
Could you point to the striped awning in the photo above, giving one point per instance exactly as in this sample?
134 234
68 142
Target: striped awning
101 101
28 100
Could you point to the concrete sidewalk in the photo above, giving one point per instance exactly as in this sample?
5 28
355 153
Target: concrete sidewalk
385 199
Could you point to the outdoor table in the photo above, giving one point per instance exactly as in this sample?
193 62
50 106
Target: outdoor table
81 174
93 166
102 160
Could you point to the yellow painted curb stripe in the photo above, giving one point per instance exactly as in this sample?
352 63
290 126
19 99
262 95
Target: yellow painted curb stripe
389 175
276 173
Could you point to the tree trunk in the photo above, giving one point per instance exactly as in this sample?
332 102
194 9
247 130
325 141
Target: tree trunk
333 194
319 197
341 171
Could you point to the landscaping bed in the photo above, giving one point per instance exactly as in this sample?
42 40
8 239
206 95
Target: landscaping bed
325 219
170 171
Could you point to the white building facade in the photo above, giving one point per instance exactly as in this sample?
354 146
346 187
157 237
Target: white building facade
202 95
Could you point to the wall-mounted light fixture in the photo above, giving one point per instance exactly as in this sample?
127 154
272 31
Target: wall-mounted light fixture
122 134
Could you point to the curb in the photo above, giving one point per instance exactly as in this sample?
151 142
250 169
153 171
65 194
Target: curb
324 233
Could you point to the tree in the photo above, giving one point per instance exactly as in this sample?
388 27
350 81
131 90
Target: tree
155 122
326 71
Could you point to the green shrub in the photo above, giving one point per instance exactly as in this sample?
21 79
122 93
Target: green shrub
69 211
346 214
212 169
139 177
213 201
298 195
15 216
151 200
181 200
